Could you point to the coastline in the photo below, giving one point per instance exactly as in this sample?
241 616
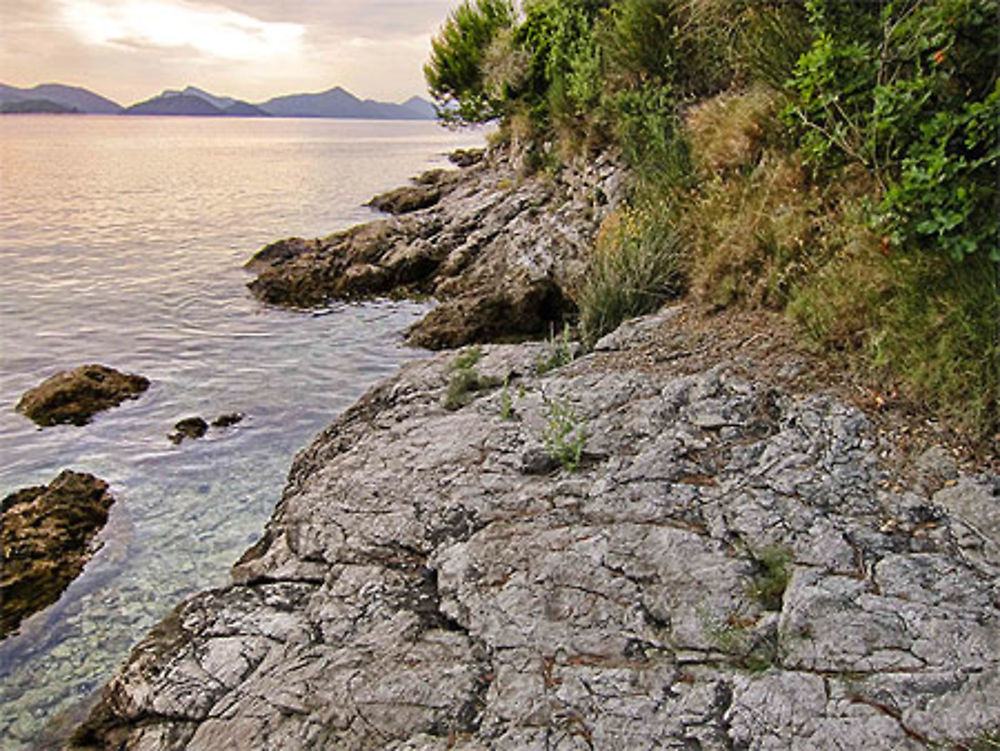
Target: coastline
184 514
732 559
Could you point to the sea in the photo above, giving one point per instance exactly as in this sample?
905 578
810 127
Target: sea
122 242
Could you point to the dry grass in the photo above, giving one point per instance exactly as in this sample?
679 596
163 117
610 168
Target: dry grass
761 233
730 131
750 233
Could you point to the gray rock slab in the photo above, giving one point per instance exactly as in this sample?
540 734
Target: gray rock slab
723 569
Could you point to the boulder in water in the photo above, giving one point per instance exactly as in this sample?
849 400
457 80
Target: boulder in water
77 395
189 427
46 533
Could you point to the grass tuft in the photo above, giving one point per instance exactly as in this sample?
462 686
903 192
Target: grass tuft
634 269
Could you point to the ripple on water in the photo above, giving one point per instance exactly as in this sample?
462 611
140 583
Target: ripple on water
122 242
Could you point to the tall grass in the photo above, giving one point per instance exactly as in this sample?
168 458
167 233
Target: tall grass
634 269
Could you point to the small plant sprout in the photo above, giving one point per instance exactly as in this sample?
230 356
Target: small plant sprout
565 434
561 354
465 381
468 359
771 580
506 401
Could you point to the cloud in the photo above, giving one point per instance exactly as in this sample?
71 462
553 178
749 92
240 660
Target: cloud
211 30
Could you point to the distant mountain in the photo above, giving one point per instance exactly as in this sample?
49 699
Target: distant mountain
422 107
222 102
175 105
71 97
35 106
192 101
337 102
243 109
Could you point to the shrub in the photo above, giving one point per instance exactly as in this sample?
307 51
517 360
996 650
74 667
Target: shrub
455 71
909 89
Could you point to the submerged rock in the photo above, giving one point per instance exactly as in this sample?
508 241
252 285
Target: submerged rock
729 568
46 534
498 249
77 395
189 427
228 420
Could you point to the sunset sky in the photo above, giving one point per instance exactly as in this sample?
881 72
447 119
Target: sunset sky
130 50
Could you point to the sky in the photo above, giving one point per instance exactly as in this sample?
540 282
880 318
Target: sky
130 50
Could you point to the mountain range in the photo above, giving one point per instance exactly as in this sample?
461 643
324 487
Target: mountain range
194 102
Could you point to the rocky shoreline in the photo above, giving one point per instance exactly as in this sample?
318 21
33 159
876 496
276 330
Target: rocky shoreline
661 544
500 249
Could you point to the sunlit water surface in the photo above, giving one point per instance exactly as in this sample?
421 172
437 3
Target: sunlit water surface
121 242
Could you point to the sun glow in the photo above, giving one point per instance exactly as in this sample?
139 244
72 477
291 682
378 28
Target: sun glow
209 29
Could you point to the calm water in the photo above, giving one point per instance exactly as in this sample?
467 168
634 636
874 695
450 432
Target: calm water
121 242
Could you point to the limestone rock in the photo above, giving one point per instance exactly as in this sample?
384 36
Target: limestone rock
406 199
466 157
75 396
726 570
46 534
496 248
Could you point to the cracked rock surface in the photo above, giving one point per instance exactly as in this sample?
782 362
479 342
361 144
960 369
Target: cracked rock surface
729 566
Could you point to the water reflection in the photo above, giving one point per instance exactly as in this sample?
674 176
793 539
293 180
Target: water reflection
122 241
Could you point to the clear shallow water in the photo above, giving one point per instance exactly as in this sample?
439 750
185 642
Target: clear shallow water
121 242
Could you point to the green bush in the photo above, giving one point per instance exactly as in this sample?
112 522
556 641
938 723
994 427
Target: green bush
565 82
909 90
455 73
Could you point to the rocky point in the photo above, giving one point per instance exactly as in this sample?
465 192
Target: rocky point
501 250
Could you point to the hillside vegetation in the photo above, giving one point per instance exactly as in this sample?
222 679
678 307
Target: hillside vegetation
833 159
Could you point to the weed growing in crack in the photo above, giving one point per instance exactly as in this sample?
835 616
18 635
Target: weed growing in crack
561 354
506 401
465 381
988 741
565 434
468 359
767 588
752 650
